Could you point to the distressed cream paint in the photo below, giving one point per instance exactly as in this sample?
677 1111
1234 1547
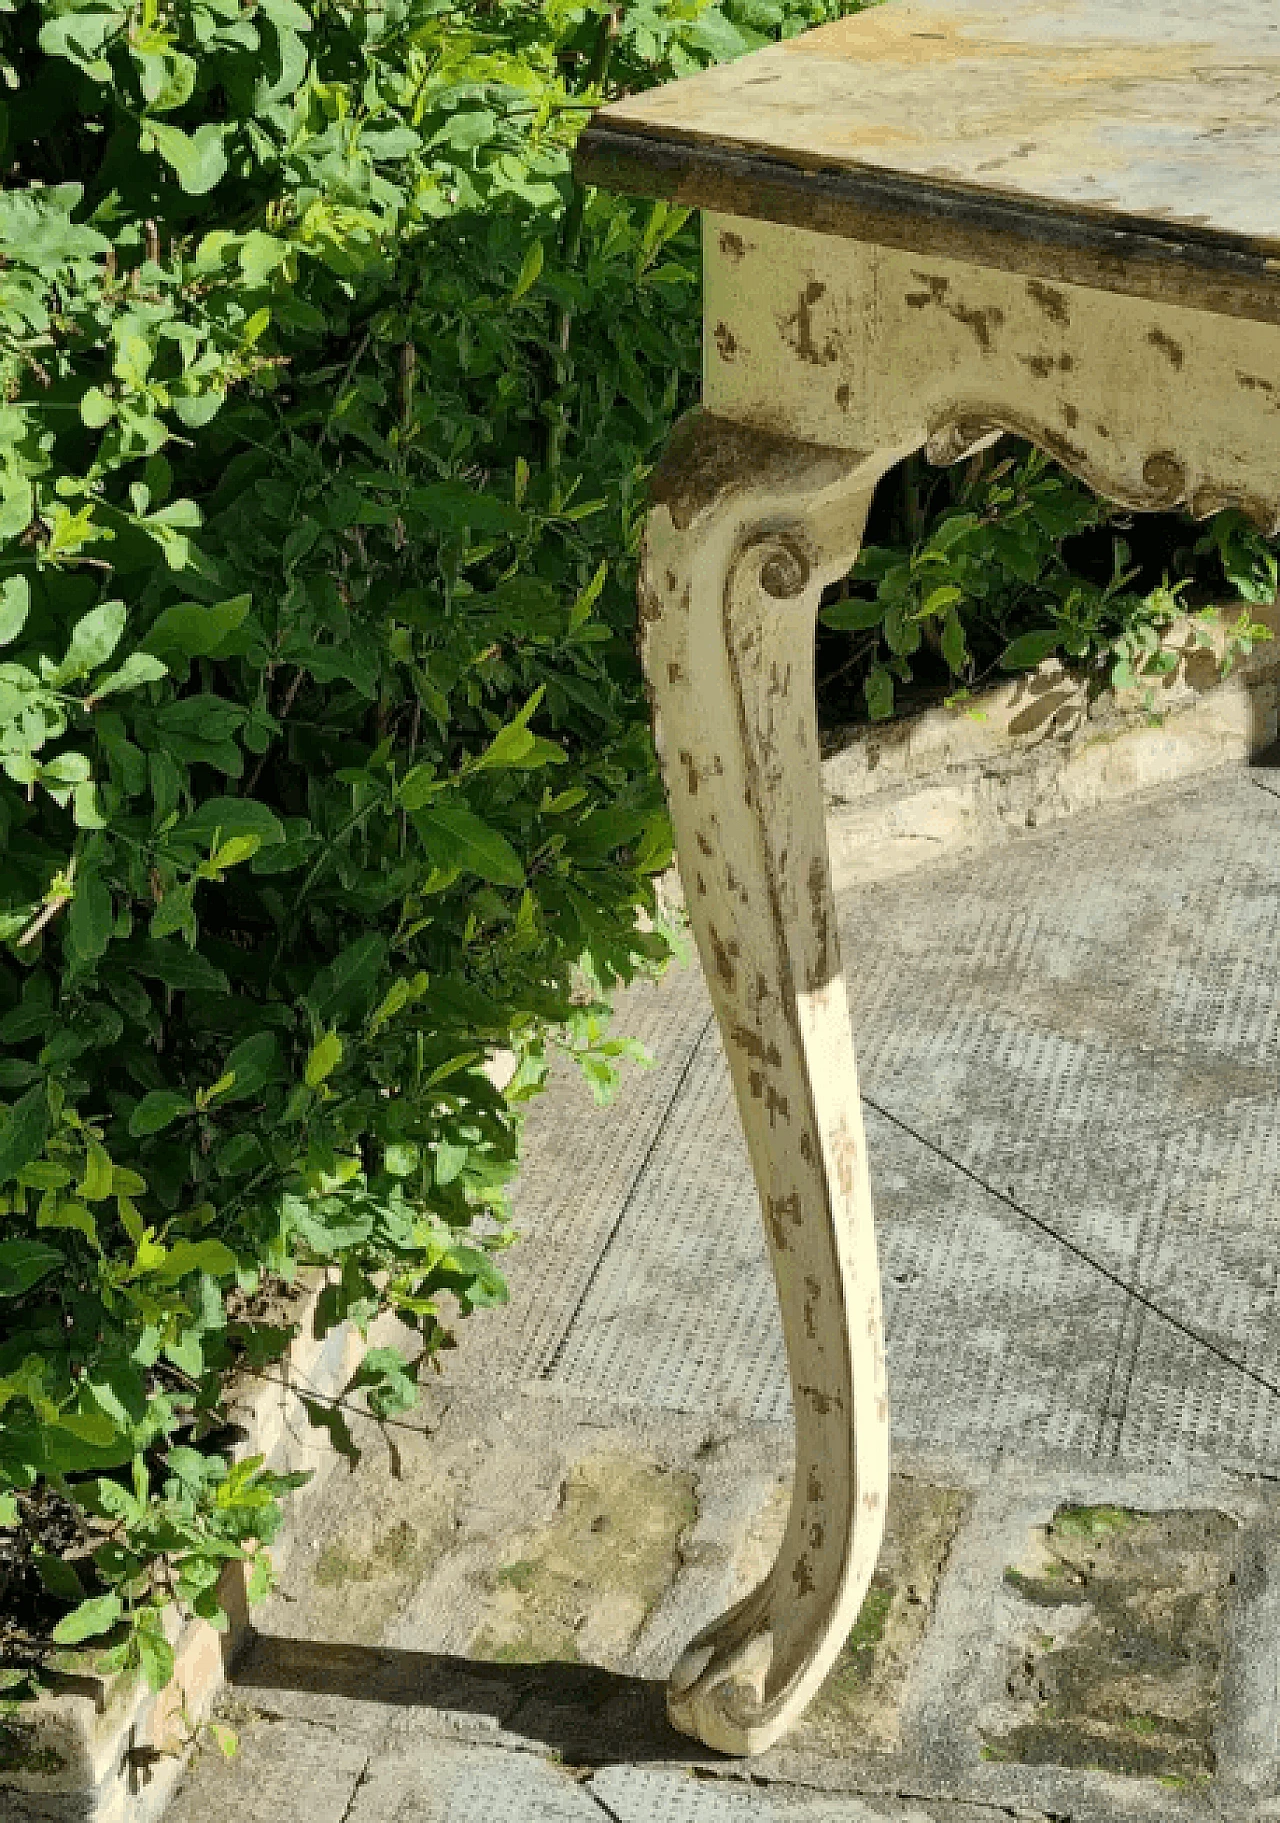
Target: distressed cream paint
885 272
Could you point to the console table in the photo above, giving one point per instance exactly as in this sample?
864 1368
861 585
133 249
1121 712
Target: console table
923 225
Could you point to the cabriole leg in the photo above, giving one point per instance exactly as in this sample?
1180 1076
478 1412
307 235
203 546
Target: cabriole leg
746 531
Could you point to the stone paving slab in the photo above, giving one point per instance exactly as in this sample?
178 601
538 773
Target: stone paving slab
1089 1021
578 1174
633 1794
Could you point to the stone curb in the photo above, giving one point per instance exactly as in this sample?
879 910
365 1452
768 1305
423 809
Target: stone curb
1037 748
1031 751
107 1750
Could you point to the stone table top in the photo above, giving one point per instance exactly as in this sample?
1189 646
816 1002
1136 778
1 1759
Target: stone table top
1110 132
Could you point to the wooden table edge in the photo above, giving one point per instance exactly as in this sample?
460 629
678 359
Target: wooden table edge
1200 269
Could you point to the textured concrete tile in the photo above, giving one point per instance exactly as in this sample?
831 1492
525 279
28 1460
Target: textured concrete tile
579 1169
993 1338
1089 1022
284 1772
435 1783
634 1794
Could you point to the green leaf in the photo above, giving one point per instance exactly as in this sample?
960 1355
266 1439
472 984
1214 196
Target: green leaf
23 1132
138 668
24 1263
198 159
510 746
175 965
195 629
938 600
96 409
530 270
954 650
878 690
261 1579
1029 649
184 1257
155 1656
323 1060
89 1620
175 912
456 837
15 505
451 505
86 811
70 1215
219 819
157 1110
58 1577
15 605
252 1063
418 786
581 609
952 531
852 615
89 1427
93 640
90 919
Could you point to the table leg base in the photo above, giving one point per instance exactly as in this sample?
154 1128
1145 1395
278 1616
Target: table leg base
746 531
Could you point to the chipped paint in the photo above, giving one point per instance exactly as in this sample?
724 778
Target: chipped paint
1173 351
1051 301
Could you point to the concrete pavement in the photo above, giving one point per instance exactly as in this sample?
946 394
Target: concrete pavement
1070 1050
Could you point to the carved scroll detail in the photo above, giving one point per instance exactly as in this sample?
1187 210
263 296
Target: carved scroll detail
746 532
1164 483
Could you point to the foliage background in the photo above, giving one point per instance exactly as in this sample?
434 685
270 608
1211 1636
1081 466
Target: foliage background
326 409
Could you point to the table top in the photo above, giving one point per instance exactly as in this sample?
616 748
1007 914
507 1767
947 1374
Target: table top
1114 128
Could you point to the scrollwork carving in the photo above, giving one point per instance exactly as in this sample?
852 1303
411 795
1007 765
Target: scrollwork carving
1164 486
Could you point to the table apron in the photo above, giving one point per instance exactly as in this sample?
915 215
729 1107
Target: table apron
872 349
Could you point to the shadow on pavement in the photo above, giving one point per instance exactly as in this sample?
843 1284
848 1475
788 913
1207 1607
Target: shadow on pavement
589 1716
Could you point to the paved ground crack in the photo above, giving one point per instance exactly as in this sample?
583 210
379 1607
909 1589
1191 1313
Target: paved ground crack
600 1804
1185 1329
357 1788
660 1126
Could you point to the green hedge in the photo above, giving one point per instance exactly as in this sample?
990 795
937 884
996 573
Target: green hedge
324 767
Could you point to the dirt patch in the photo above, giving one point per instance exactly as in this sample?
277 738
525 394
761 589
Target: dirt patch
583 1587
858 1708
1120 1660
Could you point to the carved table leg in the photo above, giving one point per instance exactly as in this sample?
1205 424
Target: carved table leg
745 532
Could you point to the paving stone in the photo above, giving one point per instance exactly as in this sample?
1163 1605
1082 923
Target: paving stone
632 1794
858 1710
284 1772
1117 1657
1089 1020
440 1784
585 1585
